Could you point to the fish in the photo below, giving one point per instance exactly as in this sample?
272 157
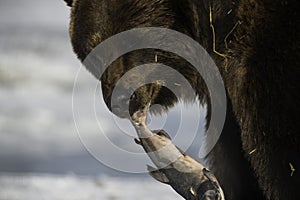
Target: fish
188 177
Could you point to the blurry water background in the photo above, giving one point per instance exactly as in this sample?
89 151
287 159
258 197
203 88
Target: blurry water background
41 156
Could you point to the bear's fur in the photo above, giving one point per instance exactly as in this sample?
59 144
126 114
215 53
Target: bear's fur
257 53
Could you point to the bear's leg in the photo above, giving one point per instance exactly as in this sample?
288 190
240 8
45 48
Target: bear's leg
230 166
263 84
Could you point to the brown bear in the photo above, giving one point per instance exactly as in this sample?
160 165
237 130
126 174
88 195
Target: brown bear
254 43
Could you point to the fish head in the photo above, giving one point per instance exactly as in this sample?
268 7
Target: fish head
210 189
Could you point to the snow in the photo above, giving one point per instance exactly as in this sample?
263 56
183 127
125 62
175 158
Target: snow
72 187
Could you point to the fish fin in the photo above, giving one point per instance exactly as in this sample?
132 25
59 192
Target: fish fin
157 174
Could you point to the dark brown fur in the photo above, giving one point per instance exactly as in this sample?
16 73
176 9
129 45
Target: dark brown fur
260 71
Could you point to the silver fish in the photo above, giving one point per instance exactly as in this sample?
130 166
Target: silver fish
185 175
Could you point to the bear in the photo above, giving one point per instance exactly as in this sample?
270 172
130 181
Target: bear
255 45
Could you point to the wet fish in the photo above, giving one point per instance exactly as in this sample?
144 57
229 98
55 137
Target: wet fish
187 177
